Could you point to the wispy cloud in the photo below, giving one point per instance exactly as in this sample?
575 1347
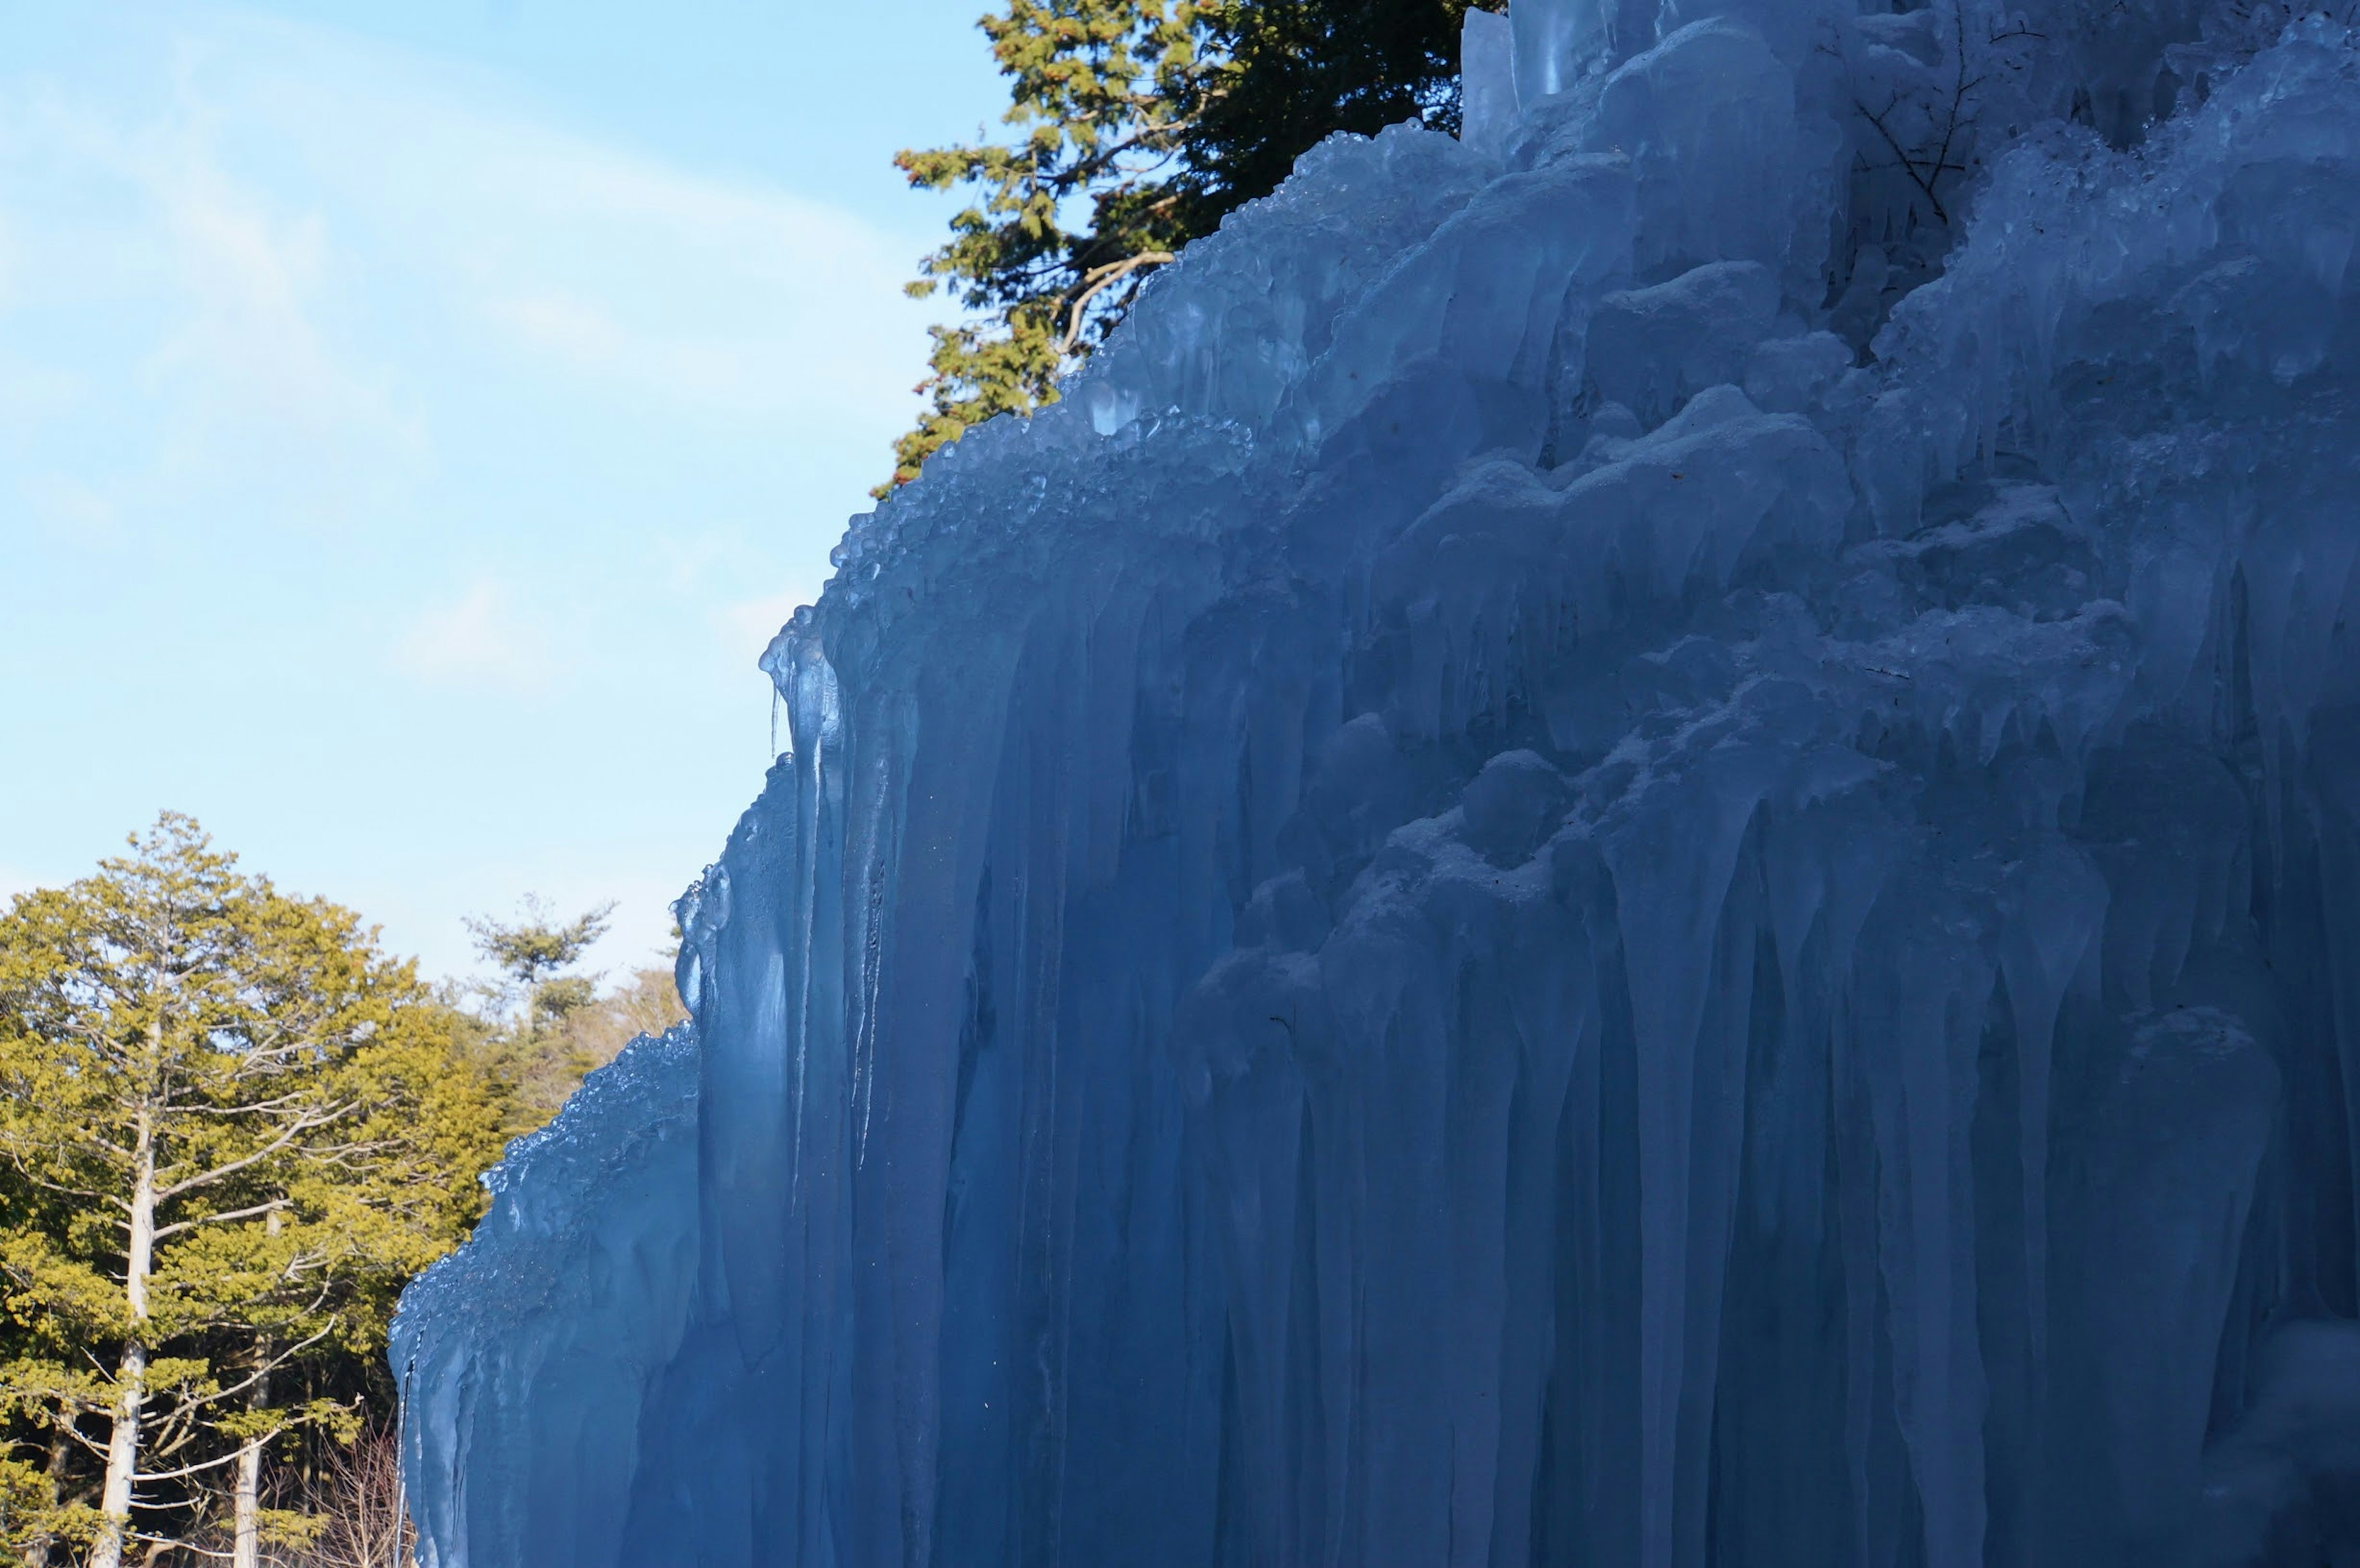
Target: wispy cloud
145 278
250 278
479 640
652 278
264 275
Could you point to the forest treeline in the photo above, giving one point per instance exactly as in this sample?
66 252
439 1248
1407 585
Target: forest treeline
231 1127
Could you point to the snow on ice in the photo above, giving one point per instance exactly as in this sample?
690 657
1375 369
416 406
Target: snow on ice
1636 843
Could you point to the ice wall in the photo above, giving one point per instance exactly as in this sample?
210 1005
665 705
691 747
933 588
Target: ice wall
1634 844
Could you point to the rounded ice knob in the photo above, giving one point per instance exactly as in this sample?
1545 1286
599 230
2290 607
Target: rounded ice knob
1510 805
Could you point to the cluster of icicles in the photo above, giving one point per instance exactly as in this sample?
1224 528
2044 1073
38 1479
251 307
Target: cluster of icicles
1611 854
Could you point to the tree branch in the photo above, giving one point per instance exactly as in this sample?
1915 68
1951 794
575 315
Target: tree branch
184 1471
263 1371
287 1136
177 1226
1097 280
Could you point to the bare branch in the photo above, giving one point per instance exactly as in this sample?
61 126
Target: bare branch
175 1543
259 1373
177 1226
1096 281
186 1470
287 1136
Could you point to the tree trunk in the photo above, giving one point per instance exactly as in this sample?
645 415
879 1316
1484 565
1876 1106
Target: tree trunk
246 1544
131 1376
37 1554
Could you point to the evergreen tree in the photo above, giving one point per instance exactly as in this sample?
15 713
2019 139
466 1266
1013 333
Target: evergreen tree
48 1310
1134 126
542 1057
1296 71
231 1127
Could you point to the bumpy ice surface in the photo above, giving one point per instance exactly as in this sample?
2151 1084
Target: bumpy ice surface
1635 843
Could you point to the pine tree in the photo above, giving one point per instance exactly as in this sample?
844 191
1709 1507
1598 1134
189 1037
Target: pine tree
543 1058
1296 71
231 1127
1136 125
1102 92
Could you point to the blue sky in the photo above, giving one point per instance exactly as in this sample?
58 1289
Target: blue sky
415 419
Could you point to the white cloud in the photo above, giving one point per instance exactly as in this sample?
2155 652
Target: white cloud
649 278
481 641
265 273
153 285
248 274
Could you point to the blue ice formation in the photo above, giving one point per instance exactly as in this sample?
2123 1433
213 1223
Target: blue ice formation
1634 845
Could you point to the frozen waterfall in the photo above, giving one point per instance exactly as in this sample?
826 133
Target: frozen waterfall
1634 845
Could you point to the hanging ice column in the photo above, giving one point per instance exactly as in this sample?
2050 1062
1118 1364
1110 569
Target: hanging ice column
1634 844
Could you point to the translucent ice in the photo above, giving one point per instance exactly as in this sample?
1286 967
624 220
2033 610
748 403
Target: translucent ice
1486 82
1635 845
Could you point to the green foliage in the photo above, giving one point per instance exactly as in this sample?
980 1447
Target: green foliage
540 1069
558 1027
1296 71
230 1129
1102 93
535 948
1133 126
